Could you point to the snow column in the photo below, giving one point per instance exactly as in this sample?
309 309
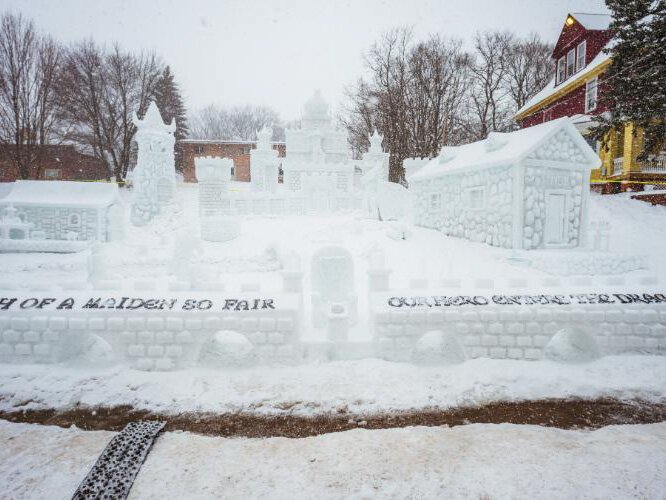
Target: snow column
213 175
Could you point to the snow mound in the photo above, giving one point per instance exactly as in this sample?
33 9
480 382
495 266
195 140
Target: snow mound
227 349
572 345
98 352
438 348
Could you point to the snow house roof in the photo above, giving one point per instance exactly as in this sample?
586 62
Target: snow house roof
62 193
500 149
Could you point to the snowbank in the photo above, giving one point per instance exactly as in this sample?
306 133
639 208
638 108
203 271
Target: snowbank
472 461
366 386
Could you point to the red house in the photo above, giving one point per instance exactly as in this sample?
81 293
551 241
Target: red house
579 61
575 91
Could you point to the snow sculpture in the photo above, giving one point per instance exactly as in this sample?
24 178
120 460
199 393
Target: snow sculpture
97 264
264 163
227 349
376 157
413 165
394 202
154 177
317 154
572 345
12 227
526 189
375 176
116 223
59 216
185 249
213 175
332 283
337 327
438 348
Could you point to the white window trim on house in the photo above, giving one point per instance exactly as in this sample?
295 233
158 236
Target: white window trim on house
581 50
571 62
474 201
52 173
561 69
591 86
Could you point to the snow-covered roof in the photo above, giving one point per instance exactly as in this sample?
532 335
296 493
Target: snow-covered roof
62 193
552 89
592 21
503 149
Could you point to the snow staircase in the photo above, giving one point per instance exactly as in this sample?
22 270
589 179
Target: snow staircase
116 468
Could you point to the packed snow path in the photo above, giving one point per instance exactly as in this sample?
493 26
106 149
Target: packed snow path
472 461
114 472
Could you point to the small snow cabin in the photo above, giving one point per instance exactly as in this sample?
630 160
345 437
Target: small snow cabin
524 190
65 210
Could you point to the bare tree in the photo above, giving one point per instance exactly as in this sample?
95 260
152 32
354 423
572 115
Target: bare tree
412 96
488 107
529 68
235 123
28 67
97 93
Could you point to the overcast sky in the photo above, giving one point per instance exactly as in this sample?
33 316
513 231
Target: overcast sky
276 52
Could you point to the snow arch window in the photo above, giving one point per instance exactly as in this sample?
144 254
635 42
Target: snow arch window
74 220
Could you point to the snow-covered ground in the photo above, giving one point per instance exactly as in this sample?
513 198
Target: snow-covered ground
472 461
363 387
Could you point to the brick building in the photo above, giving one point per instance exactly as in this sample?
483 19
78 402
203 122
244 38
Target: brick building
575 91
239 151
53 162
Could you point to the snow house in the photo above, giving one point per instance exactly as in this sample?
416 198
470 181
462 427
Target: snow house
63 210
526 189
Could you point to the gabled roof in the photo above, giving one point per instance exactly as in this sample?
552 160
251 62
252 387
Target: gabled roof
576 25
601 60
62 193
501 149
592 21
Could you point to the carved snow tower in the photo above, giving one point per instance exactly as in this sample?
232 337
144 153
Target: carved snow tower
154 176
376 157
264 163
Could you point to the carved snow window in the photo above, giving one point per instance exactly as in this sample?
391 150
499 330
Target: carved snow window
591 95
476 198
580 55
561 70
435 202
571 62
74 220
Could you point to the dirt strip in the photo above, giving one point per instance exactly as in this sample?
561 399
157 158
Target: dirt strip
562 413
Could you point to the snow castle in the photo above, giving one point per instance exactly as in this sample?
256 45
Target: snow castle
154 176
